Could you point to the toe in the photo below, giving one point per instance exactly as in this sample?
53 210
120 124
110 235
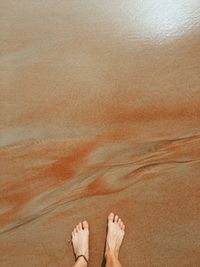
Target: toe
120 224
85 225
77 228
111 216
80 226
116 218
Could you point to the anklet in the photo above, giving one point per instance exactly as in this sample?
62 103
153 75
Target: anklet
83 257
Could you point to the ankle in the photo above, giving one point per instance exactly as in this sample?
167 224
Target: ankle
111 254
82 262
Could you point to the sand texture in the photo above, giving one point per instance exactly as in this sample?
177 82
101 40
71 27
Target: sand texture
99 112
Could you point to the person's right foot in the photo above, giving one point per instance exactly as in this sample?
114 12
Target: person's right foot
115 235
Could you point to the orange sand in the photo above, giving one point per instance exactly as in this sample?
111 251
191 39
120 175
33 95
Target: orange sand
96 119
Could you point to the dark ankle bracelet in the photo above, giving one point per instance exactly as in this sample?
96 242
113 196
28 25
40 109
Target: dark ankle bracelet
83 257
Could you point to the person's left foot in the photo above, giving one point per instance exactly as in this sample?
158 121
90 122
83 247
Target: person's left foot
80 239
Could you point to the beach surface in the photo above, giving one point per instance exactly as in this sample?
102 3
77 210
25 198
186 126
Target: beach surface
100 112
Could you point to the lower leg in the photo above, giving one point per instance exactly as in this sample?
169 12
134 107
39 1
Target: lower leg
112 260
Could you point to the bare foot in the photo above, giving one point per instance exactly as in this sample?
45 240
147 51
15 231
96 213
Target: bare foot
115 235
80 240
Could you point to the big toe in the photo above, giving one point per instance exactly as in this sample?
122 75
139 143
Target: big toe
85 225
111 216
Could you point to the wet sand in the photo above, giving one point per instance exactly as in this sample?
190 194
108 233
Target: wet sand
98 115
